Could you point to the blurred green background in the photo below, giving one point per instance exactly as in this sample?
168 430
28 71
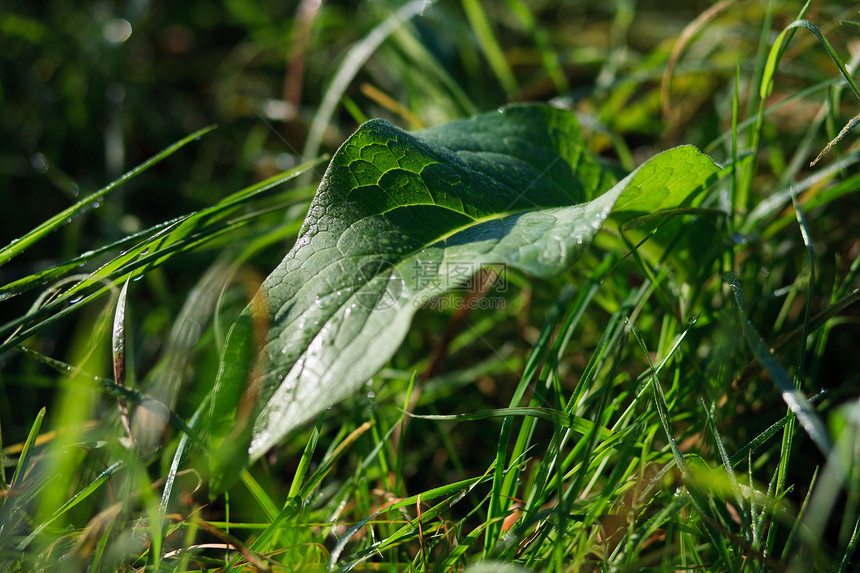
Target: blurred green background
90 89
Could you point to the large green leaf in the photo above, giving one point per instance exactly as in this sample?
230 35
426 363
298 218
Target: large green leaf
401 217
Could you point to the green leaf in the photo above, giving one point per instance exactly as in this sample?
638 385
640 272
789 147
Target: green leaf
402 217
660 186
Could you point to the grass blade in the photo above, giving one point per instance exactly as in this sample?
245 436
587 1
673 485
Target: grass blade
72 502
118 351
20 244
24 458
696 495
182 235
794 399
350 66
490 46
558 417
108 386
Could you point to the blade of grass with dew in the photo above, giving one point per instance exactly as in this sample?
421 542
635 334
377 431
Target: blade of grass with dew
454 492
118 352
191 225
764 436
582 459
502 484
135 262
739 196
578 461
19 245
810 295
794 399
540 37
793 98
767 85
294 494
463 545
826 116
200 226
696 496
825 501
305 461
26 484
186 234
590 457
294 504
761 58
850 548
766 81
179 457
798 520
793 336
545 481
23 465
724 456
779 199
105 385
72 502
576 423
820 319
371 458
817 196
258 493
777 50
55 272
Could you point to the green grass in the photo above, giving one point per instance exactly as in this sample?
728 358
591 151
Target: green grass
683 398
